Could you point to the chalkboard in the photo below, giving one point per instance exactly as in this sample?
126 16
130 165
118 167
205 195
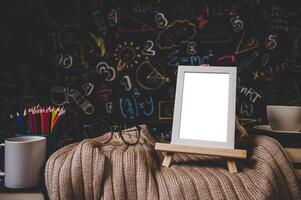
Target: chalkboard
116 60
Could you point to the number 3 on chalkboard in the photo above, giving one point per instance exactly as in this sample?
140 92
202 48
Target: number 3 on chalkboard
104 68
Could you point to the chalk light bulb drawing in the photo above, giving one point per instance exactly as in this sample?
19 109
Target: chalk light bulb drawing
127 55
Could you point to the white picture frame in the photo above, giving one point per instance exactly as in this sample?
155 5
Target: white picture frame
204 111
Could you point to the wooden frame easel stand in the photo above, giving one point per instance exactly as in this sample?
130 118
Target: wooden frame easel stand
230 155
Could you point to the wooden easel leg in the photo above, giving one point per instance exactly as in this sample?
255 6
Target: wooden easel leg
167 159
232 166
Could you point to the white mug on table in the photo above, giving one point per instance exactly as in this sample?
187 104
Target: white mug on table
284 118
24 158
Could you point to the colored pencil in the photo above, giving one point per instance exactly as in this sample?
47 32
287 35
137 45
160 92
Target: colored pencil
19 119
53 116
38 119
38 122
59 113
33 122
43 122
58 122
30 122
46 120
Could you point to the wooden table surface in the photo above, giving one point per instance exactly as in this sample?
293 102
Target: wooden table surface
37 193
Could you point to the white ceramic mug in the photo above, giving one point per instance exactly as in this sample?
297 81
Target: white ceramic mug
24 158
284 118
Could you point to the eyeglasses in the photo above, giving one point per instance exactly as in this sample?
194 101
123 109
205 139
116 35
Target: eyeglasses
128 136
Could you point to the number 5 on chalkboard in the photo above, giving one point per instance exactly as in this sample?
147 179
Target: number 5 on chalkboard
237 23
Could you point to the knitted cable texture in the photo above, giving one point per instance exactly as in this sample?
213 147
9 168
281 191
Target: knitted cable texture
90 170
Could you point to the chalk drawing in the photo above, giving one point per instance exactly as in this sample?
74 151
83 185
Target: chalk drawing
99 41
104 93
165 109
202 22
104 68
271 42
214 34
246 109
88 88
237 24
191 48
99 22
56 40
246 44
127 55
126 82
81 101
161 21
112 17
253 95
59 95
128 24
175 34
148 48
173 58
150 75
109 107
65 61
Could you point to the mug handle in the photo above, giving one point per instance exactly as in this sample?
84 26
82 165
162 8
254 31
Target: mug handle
1 172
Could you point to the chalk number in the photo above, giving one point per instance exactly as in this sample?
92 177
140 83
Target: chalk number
161 20
148 48
104 68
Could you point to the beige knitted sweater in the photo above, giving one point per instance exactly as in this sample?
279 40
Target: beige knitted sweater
89 170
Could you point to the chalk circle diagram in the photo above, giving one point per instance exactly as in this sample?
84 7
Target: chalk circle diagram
127 55
151 75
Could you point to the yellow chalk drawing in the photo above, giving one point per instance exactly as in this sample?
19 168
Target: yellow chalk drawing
246 45
127 55
100 43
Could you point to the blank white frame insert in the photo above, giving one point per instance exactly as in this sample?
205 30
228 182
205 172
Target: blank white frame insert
204 112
